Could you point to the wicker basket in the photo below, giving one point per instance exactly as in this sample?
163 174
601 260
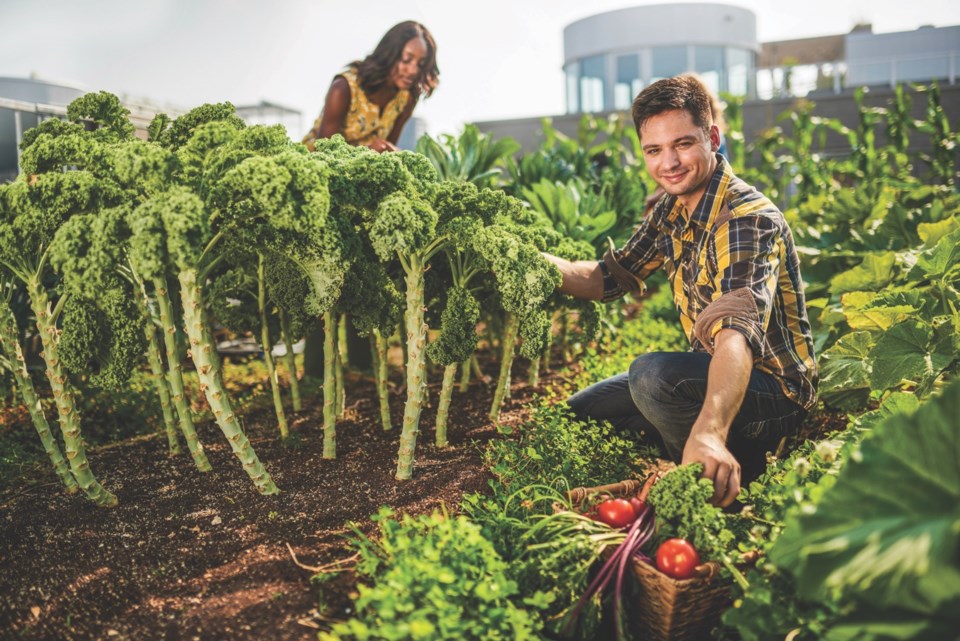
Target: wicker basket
669 609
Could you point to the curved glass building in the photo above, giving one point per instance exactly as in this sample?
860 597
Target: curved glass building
610 57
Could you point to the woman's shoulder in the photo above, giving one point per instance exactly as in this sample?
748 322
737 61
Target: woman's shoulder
350 75
340 91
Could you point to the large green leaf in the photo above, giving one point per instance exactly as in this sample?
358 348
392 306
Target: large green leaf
845 371
931 233
891 626
862 314
940 259
572 208
910 351
874 273
885 539
896 403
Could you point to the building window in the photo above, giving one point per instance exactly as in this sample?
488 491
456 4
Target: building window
591 84
628 83
709 65
668 62
739 71
573 81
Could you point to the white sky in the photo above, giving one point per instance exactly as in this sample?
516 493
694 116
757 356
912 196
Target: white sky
498 58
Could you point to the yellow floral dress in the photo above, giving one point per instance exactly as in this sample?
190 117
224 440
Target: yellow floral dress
364 121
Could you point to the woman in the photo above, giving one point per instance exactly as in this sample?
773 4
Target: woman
370 102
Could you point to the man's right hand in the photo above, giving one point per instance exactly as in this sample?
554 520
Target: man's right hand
719 464
581 279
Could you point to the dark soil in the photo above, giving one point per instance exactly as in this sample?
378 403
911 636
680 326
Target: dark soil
188 555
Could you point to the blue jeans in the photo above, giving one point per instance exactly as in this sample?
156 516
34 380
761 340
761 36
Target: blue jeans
661 396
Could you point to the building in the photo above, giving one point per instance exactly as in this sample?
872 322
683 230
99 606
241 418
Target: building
861 58
270 113
610 57
25 102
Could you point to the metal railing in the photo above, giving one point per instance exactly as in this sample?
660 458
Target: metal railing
892 70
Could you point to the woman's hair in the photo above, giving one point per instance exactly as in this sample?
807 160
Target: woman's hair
374 70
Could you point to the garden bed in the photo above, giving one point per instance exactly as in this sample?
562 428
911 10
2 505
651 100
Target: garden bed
190 555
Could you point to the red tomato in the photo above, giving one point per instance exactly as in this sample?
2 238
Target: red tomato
677 558
637 504
616 513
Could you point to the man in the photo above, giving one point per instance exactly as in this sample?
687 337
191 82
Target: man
729 257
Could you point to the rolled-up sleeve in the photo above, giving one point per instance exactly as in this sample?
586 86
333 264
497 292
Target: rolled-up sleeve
748 254
625 270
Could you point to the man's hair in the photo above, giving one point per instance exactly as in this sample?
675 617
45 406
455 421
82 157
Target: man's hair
683 92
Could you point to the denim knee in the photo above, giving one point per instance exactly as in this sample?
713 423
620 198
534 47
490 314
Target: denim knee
606 399
654 385
649 377
578 405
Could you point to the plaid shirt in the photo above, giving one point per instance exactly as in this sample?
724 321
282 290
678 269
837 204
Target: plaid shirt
732 265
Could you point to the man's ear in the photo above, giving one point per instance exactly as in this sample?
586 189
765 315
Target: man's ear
714 138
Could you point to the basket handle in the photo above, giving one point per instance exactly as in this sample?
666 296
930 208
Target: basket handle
623 487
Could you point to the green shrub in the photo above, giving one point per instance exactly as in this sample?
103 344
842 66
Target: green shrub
432 577
557 449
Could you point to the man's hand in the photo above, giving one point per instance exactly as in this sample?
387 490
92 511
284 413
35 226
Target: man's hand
727 381
719 465
581 279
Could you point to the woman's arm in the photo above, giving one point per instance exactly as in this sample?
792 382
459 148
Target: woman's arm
335 109
402 119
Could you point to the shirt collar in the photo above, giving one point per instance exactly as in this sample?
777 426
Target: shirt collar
671 215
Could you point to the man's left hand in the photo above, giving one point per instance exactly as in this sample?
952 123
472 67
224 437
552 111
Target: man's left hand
719 465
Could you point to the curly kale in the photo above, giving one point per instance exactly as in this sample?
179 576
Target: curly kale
193 157
361 178
103 337
185 224
254 141
254 188
279 202
141 169
458 334
59 148
403 226
288 287
374 303
104 110
525 281
232 295
422 171
87 250
175 134
681 502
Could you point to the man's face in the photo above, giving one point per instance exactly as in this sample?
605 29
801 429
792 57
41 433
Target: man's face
679 154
